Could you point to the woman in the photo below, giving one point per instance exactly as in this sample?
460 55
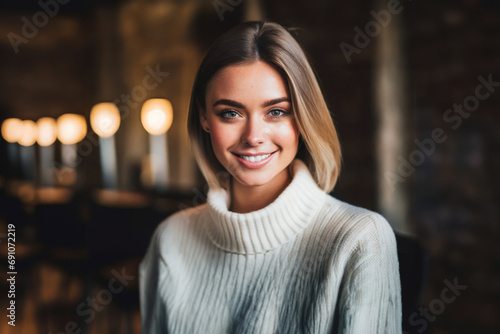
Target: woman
270 251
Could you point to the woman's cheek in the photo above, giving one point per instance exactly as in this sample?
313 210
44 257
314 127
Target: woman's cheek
223 137
286 133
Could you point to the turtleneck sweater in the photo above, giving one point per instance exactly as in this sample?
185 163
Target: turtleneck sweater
305 263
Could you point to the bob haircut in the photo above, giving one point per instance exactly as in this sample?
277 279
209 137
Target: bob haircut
248 42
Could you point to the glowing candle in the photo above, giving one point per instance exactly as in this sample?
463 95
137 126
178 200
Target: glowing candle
105 121
156 118
71 129
27 140
11 132
47 135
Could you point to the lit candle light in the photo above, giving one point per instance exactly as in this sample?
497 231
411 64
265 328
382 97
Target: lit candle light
11 132
105 121
27 140
47 135
156 118
71 129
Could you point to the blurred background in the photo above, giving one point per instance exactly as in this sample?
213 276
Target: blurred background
94 152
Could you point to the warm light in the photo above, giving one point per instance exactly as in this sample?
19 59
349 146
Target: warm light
47 131
71 128
105 119
157 116
28 133
11 129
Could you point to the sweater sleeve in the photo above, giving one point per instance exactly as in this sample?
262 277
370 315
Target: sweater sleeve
151 274
370 300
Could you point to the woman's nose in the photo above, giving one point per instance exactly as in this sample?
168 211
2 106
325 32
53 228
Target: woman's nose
254 132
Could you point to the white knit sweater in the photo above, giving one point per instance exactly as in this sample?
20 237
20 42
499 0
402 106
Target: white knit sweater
306 263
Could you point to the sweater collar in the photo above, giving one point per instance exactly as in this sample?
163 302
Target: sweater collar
263 230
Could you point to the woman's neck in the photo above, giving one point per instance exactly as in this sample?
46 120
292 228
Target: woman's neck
246 199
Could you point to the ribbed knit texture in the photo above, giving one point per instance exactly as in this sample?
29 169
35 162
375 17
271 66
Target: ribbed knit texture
306 263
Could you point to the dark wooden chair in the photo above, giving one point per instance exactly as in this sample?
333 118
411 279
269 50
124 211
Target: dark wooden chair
413 269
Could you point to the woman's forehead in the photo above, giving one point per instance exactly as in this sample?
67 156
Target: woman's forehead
247 81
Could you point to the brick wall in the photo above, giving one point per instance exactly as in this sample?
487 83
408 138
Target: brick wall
450 44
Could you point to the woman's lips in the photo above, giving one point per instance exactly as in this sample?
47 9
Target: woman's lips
254 164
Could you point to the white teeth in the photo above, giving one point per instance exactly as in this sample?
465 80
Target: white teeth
254 158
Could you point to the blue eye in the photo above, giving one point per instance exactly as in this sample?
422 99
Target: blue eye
274 113
278 113
228 114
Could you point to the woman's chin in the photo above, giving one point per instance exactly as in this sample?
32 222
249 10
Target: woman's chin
252 181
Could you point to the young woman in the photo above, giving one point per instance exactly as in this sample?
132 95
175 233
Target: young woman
270 251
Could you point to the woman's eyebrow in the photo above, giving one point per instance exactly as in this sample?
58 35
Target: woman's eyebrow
235 104
227 102
275 101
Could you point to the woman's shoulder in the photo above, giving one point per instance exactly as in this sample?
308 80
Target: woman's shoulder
179 221
354 220
171 235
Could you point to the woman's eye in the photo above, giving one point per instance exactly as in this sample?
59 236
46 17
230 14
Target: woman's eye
278 113
228 114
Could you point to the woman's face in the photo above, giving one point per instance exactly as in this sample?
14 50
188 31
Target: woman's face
252 128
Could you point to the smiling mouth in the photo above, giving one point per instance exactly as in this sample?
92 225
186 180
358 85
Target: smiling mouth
254 158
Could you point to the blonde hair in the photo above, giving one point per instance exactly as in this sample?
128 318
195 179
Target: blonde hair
319 145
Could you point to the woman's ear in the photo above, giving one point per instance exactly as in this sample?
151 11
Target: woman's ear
203 116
